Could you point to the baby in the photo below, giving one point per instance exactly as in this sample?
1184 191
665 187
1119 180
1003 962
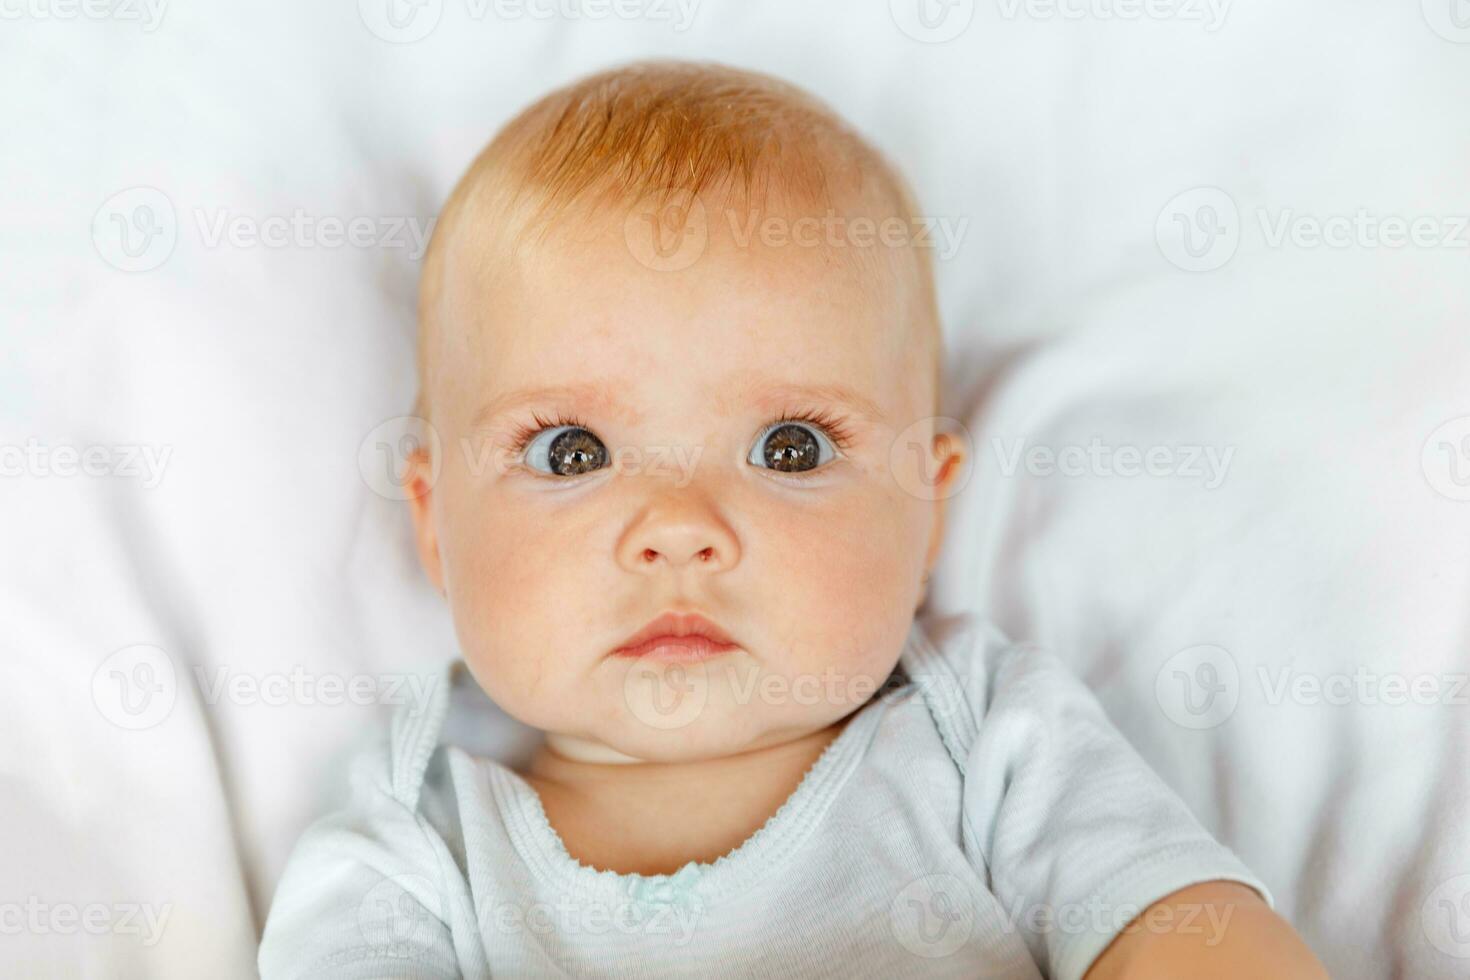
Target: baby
682 488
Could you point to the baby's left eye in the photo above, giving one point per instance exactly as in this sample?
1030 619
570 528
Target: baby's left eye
565 450
792 447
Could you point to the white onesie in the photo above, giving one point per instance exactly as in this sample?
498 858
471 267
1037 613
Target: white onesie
980 817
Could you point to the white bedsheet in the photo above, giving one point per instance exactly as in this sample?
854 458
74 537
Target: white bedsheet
1307 517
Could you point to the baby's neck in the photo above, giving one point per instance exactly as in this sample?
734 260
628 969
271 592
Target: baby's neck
654 817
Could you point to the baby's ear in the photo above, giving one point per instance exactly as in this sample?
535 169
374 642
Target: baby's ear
950 451
949 462
419 483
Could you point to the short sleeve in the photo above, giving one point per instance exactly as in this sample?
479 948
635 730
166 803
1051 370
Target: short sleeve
1078 835
362 895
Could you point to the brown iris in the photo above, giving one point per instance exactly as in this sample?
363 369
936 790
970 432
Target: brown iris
576 451
791 449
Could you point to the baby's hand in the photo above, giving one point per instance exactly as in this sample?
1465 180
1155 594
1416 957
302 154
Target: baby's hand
1216 929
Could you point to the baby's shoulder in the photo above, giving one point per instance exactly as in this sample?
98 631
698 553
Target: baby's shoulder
1006 702
392 764
954 665
450 711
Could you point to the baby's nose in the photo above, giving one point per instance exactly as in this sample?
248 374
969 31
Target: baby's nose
678 536
704 555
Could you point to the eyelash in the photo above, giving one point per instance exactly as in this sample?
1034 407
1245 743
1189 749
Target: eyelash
832 427
525 433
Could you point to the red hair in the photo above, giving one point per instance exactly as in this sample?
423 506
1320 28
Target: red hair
665 127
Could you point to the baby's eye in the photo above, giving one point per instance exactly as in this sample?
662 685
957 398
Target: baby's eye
792 447
566 450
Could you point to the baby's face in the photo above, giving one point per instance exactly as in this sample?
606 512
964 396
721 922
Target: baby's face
657 478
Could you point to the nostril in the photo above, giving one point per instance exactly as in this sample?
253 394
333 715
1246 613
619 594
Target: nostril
706 554
649 554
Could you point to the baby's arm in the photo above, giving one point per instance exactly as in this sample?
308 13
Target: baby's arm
369 891
1063 817
1216 929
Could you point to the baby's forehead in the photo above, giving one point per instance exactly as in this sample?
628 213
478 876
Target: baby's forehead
580 300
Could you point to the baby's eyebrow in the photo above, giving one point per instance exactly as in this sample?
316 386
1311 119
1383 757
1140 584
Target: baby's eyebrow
604 395
773 393
601 394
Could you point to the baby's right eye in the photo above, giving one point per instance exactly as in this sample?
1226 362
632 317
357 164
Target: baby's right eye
566 450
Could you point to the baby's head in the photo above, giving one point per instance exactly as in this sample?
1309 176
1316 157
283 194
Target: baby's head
676 341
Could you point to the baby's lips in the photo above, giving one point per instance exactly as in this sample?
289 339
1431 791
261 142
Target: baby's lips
675 625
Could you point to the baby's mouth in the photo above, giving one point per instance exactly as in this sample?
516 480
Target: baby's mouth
677 638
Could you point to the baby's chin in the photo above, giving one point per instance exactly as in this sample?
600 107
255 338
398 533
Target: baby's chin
692 712
638 710
701 741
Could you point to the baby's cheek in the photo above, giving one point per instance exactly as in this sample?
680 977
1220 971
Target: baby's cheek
495 587
853 605
526 613
870 553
